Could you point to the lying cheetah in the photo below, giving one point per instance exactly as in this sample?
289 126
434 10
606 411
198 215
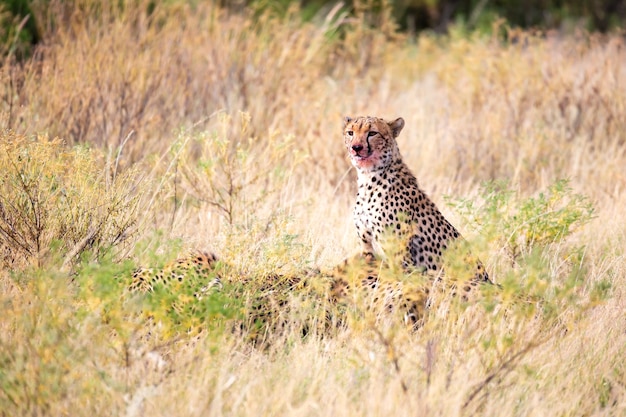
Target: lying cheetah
358 285
390 202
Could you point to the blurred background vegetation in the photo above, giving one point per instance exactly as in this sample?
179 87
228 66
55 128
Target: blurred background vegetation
438 15
23 23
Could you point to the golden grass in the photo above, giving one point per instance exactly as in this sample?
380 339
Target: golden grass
219 131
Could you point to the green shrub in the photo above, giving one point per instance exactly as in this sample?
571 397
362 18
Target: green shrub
54 355
522 226
68 199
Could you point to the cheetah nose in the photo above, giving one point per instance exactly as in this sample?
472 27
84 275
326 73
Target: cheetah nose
357 148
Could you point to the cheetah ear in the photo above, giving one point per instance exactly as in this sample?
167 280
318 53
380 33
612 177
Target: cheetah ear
347 120
396 126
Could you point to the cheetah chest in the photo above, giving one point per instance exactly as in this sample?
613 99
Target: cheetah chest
383 204
393 203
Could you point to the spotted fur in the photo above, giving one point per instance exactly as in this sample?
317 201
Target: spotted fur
200 265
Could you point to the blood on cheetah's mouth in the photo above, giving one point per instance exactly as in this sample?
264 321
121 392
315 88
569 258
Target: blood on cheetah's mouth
364 161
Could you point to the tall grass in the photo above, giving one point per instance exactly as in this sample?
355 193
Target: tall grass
186 126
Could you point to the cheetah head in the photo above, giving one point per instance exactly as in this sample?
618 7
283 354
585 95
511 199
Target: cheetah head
371 142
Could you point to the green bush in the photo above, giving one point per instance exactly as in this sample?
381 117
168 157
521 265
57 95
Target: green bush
68 199
523 226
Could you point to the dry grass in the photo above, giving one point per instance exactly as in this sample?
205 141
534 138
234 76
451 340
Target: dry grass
218 131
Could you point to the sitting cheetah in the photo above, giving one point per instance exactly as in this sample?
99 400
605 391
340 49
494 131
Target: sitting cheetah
389 201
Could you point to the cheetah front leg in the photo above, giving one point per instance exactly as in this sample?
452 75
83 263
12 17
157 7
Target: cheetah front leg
367 251
360 257
367 245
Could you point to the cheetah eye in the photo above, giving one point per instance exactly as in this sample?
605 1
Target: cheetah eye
371 133
350 132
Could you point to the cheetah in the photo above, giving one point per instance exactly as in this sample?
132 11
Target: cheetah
357 285
254 307
390 202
